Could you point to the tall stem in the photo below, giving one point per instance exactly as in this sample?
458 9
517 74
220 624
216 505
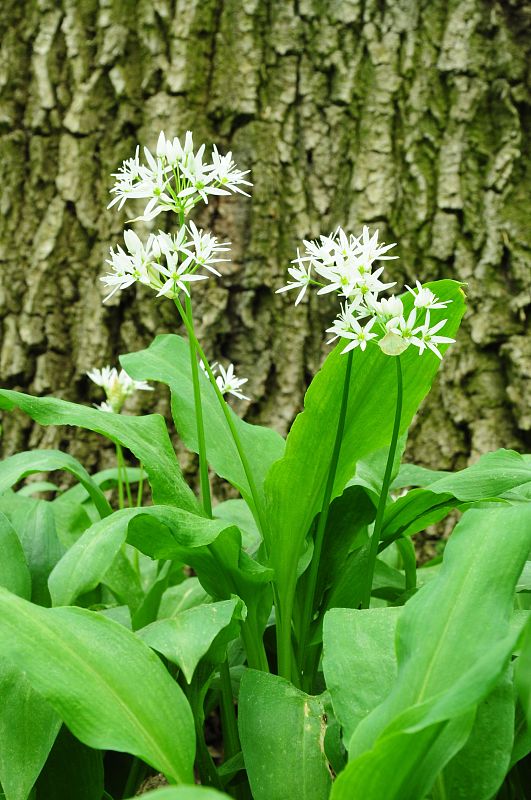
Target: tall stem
375 538
311 585
119 463
227 414
203 463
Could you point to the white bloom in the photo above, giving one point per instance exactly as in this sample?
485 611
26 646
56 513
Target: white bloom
428 337
117 386
359 335
424 298
224 172
129 268
389 307
346 321
228 383
176 276
369 250
405 328
301 278
205 247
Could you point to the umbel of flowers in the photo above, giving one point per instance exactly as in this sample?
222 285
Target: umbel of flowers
344 265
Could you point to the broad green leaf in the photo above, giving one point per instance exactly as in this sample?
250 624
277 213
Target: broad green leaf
295 484
359 661
167 360
109 687
453 642
185 793
146 437
282 732
14 572
187 594
34 487
35 525
16 467
492 476
478 770
28 727
523 673
403 766
453 636
187 637
160 531
238 512
72 770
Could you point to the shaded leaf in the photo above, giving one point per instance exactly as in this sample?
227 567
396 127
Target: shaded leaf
127 702
282 732
14 572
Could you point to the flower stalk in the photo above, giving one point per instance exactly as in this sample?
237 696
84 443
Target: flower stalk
382 503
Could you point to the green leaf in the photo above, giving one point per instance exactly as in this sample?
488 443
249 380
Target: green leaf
187 594
72 770
189 636
282 732
492 476
16 467
159 531
403 765
295 484
146 437
167 360
359 661
184 793
14 572
28 727
109 687
238 512
454 640
523 673
35 525
478 770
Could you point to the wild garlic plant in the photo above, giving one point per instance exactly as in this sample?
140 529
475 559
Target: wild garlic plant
357 674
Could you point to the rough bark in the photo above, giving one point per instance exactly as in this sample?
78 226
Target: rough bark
404 115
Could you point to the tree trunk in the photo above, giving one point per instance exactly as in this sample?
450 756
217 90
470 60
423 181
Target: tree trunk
406 116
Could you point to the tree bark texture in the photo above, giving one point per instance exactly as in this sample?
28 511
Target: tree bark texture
405 115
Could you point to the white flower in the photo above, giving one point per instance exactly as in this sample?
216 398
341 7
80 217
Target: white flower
177 276
228 383
424 298
132 268
369 250
403 327
359 335
301 278
346 321
205 247
224 172
117 386
388 307
428 337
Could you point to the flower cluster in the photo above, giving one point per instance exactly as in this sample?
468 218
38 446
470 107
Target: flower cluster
165 263
226 380
176 178
344 265
118 386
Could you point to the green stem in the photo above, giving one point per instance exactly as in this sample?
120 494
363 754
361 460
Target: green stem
311 584
407 551
123 470
136 774
120 480
203 463
227 414
231 739
140 491
375 538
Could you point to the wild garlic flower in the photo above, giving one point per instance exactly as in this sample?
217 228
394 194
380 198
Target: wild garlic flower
228 383
344 265
175 178
118 386
166 263
226 379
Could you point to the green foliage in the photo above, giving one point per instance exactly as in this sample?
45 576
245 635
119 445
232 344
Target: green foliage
163 614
